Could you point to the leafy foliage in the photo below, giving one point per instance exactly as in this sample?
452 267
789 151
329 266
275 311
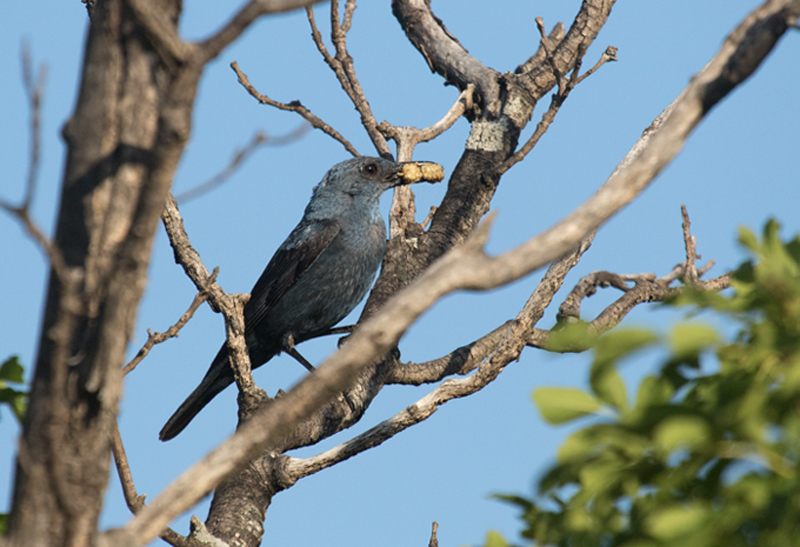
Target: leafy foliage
11 372
708 452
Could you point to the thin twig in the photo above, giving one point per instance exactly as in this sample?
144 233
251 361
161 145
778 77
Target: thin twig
239 157
154 338
548 55
230 305
565 86
434 541
133 499
334 65
213 46
342 65
690 244
408 137
294 106
610 54
34 90
556 35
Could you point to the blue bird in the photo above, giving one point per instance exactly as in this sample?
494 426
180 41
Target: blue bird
318 275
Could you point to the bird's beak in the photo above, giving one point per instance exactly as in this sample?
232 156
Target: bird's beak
411 172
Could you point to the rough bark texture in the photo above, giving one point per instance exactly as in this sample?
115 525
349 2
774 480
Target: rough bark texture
113 192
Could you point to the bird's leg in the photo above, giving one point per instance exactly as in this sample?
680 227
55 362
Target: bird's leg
346 329
288 346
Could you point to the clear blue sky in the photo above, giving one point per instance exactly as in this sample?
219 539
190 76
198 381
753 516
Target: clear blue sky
739 168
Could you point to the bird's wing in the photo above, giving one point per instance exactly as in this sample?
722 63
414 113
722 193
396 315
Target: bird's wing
294 256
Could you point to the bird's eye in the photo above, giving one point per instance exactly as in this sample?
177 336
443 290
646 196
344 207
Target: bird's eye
370 169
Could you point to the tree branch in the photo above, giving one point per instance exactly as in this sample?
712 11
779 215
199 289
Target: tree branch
34 91
294 106
408 137
469 359
239 157
154 338
133 499
342 65
444 53
229 305
555 103
213 45
403 209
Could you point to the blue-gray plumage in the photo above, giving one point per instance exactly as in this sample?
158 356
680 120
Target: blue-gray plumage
316 277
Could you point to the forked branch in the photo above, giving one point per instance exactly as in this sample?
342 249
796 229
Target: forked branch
341 63
294 106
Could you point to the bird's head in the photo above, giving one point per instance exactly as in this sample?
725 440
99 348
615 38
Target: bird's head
370 177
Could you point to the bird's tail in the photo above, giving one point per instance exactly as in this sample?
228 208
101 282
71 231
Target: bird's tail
218 377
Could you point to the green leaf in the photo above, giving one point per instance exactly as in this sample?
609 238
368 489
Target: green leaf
640 543
609 387
674 522
494 539
572 337
577 445
597 475
559 405
16 399
748 239
12 371
688 340
681 431
653 391
615 345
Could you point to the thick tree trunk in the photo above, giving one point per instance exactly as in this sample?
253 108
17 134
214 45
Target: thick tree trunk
110 206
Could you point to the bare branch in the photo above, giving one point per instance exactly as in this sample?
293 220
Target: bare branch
133 499
239 157
334 65
564 89
646 289
443 52
464 359
408 137
230 305
610 54
52 252
342 65
34 90
347 21
460 361
213 46
690 243
556 35
434 541
403 209
294 106
154 338
548 55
